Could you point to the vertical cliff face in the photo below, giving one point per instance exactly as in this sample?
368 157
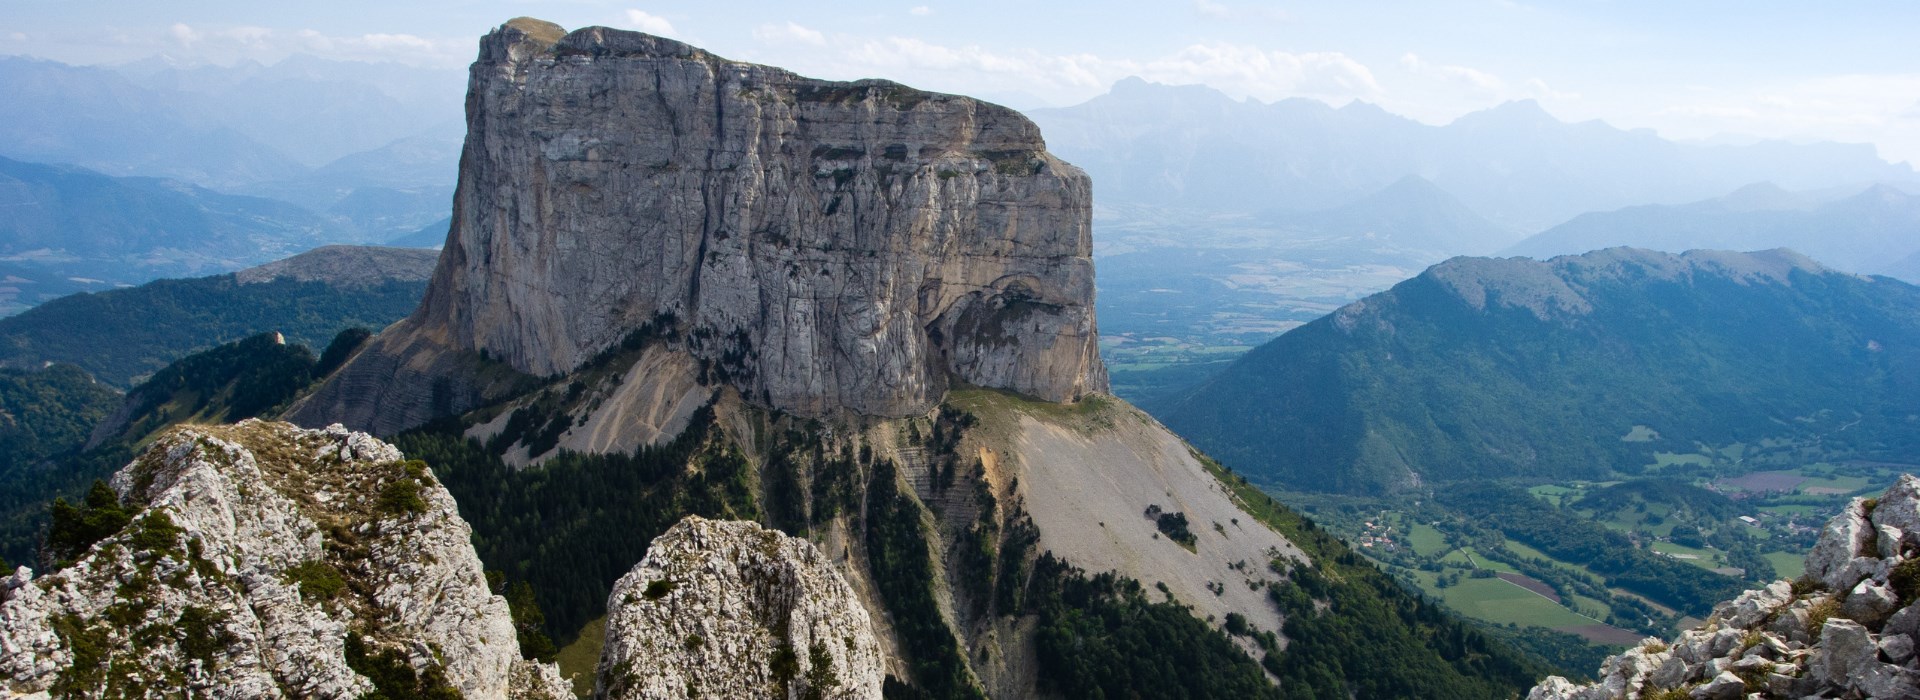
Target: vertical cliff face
818 245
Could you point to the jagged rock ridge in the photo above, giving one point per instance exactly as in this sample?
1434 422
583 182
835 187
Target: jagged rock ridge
731 609
265 561
1845 630
822 246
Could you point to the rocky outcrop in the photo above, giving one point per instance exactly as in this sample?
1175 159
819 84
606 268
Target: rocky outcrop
265 561
1845 630
821 246
727 609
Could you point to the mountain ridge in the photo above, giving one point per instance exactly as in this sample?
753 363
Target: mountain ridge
1472 367
1221 154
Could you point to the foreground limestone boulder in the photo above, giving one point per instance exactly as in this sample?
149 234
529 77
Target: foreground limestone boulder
266 561
1845 630
728 609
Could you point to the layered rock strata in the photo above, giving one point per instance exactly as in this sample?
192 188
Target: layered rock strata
265 561
1846 630
728 609
821 246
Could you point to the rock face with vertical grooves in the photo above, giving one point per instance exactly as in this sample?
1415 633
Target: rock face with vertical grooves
821 246
728 609
265 561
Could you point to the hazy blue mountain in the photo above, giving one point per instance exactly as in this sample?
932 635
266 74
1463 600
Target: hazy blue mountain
69 222
1907 268
372 146
1486 368
312 109
1859 233
1191 147
99 119
432 236
122 335
1410 214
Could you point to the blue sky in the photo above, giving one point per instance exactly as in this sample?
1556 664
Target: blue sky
1846 71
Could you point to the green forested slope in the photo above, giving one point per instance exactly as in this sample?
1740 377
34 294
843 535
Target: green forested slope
1485 368
125 334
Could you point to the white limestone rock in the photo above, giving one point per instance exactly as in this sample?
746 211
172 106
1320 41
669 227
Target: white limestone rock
728 609
202 594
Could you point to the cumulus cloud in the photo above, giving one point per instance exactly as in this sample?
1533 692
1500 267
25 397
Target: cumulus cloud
266 44
1539 88
649 23
183 34
1238 70
1477 82
1869 108
920 11
789 32
1247 71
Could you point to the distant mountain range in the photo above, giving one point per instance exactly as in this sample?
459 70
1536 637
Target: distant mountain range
371 147
1874 231
1410 214
1579 367
1192 147
66 222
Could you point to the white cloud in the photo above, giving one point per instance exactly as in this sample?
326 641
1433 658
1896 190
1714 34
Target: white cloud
1869 108
183 34
1539 88
247 36
223 45
651 24
1246 71
920 11
395 41
1238 70
1479 83
789 32
18 36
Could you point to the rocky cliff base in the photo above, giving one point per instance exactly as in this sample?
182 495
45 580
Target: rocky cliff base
1845 630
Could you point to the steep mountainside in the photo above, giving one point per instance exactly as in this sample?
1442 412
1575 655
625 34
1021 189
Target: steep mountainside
48 412
1847 629
263 561
124 335
1861 233
1488 368
678 285
79 431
